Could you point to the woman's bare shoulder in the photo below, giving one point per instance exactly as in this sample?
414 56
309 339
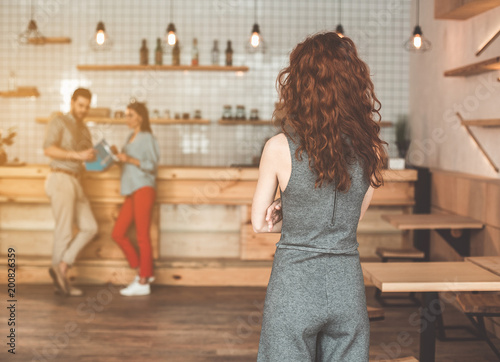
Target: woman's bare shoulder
277 142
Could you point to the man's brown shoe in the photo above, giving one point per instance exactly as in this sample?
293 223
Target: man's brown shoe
59 280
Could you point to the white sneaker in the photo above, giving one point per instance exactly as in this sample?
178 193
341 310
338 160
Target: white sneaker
150 279
136 288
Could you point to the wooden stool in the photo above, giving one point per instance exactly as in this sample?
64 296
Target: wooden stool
387 254
476 306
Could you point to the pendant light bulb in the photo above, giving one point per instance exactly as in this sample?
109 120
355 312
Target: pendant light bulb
256 43
100 36
340 30
101 40
417 42
171 36
31 35
255 38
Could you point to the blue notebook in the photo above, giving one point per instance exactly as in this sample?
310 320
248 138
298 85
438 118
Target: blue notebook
104 157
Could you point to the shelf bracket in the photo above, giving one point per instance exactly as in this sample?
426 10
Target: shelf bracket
481 148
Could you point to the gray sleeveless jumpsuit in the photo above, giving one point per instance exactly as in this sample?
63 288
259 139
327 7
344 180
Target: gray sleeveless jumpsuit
315 307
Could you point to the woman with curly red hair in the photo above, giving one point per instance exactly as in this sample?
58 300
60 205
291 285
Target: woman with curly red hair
326 162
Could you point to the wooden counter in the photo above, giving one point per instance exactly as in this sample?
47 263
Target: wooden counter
201 230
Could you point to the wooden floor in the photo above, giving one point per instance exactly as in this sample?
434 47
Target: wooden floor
182 324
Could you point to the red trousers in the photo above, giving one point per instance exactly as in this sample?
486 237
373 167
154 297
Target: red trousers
138 208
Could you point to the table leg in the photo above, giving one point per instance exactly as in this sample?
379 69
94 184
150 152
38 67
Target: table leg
428 311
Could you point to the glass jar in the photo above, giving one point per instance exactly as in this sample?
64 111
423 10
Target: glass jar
240 112
197 114
227 113
254 114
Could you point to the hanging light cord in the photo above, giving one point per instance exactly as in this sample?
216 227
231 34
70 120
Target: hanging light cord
255 11
340 11
418 12
171 10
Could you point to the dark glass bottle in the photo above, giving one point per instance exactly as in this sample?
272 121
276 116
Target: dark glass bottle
195 53
144 53
176 54
229 53
215 53
158 52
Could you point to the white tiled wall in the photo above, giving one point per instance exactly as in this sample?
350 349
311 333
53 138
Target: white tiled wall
378 27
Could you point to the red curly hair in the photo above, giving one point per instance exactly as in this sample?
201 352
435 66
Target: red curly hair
325 92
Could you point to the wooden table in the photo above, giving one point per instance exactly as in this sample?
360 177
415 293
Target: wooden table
430 278
490 263
454 229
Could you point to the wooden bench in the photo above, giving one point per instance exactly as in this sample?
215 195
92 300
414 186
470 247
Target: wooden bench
400 254
386 254
476 306
375 314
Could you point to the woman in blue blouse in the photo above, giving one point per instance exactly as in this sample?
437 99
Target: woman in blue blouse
139 159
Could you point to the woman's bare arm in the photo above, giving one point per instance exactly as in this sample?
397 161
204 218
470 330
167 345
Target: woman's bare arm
266 189
366 201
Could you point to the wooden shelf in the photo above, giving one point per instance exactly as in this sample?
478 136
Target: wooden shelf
107 120
45 40
270 123
246 122
462 10
217 68
21 92
482 123
476 68
490 123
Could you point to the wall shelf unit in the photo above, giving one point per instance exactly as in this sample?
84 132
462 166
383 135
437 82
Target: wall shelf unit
245 122
45 40
476 68
383 124
214 68
480 123
21 92
461 9
106 120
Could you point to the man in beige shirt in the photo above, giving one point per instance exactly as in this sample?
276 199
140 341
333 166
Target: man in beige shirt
68 143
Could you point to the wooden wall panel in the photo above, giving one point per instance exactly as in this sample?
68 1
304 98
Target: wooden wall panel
14 216
492 209
201 244
470 198
208 218
257 246
394 193
443 191
18 188
27 242
467 195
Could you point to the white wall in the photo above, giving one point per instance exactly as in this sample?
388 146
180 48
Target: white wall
378 27
438 140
